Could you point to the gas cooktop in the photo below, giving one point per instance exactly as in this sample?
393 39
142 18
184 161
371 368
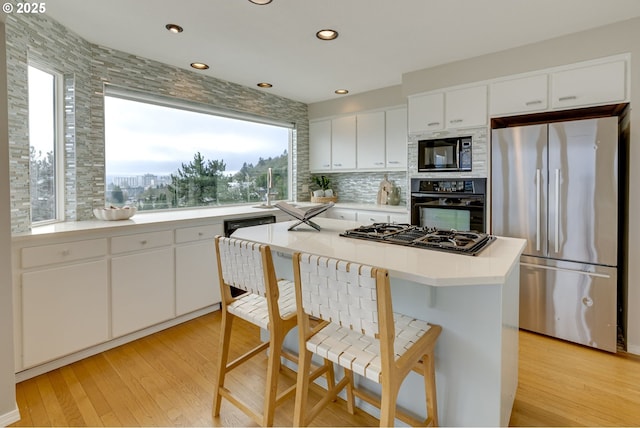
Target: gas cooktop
470 243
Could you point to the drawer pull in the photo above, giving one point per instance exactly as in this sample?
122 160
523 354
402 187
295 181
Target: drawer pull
531 103
144 242
65 253
379 163
567 98
200 234
433 123
337 164
394 162
455 121
326 165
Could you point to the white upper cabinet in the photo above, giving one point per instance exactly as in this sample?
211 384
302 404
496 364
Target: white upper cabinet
426 112
466 107
371 140
527 94
396 138
343 143
459 108
589 85
320 145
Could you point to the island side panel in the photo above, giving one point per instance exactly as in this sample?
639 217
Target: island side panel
510 342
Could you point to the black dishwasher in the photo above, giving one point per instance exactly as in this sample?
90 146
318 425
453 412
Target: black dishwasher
234 224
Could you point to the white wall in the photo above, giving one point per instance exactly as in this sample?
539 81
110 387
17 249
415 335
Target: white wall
8 409
604 41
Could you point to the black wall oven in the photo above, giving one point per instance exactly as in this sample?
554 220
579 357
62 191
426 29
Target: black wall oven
457 203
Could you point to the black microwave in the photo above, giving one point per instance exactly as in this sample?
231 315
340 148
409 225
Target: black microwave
444 154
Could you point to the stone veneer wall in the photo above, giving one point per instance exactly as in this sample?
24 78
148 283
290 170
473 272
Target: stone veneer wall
86 68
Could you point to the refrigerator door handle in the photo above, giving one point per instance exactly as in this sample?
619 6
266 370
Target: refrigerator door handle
538 209
594 274
557 225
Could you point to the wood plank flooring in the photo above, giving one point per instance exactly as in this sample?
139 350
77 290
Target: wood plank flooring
167 380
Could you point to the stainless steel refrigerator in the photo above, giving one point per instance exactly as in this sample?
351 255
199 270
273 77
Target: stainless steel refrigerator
556 185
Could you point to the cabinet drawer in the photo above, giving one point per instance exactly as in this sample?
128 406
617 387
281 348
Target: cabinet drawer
372 217
341 214
141 241
198 233
60 253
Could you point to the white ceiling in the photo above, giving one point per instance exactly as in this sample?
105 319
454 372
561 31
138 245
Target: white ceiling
379 39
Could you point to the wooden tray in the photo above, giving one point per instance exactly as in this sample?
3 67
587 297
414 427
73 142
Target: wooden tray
324 199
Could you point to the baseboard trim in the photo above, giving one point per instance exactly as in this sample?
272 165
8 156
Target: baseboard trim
77 356
633 349
9 418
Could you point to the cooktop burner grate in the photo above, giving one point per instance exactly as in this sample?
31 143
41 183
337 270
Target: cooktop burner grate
470 243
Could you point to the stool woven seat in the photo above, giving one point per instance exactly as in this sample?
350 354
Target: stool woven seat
361 333
268 303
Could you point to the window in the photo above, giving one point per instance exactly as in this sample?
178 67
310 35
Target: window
44 140
164 155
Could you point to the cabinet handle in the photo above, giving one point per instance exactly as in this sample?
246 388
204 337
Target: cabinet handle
394 162
379 163
143 242
455 121
433 123
530 103
200 234
65 253
326 165
567 98
372 219
337 164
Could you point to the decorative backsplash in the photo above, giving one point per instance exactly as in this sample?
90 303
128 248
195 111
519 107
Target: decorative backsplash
362 187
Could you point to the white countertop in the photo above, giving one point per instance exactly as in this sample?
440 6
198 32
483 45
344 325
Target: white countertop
429 267
215 214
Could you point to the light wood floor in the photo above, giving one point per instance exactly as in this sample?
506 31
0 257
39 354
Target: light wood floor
167 380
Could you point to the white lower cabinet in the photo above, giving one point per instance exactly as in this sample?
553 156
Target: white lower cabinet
142 290
64 309
197 284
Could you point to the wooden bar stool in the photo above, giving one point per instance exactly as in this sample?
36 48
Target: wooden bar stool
268 303
361 333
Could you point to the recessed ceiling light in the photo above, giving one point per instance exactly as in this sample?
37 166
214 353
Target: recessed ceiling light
341 91
199 65
265 85
327 34
260 2
174 28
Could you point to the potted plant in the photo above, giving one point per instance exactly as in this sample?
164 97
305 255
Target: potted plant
325 193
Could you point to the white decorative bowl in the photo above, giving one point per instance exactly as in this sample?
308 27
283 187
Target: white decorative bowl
114 213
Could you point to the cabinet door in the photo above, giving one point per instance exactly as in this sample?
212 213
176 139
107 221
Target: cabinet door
320 145
371 140
343 143
142 290
64 310
519 95
597 84
399 218
396 138
466 107
197 284
426 113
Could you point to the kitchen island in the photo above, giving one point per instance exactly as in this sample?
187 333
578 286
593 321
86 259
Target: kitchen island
473 298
